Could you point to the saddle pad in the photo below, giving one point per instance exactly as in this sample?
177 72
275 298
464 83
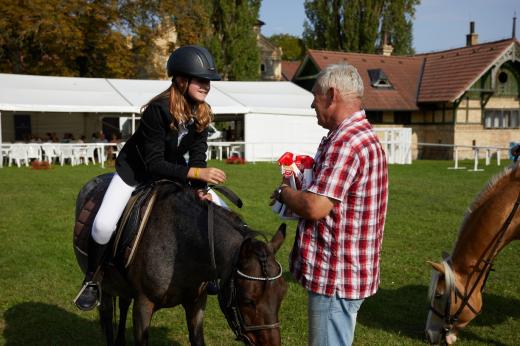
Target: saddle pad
132 224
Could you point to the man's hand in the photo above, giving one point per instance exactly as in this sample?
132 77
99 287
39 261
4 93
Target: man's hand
275 196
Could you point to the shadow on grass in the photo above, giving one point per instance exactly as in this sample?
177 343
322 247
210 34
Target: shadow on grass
403 311
35 323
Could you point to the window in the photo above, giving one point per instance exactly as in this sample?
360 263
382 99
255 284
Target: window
402 118
375 117
501 118
378 79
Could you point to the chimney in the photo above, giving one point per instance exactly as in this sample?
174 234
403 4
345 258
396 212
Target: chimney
385 48
514 27
471 38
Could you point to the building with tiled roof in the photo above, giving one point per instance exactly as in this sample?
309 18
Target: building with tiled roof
289 68
463 96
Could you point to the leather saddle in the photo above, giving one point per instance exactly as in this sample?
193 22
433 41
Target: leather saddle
131 225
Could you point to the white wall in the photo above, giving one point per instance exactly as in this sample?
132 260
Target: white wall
268 136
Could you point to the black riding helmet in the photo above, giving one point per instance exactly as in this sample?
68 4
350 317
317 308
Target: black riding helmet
192 61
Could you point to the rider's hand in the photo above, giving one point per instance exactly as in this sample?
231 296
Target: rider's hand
209 175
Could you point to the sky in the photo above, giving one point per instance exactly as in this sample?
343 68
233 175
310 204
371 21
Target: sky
438 24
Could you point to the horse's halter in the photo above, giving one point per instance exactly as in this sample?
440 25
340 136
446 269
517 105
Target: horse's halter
450 281
229 305
445 299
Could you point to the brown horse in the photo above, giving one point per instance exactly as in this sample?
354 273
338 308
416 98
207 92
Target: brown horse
491 223
186 243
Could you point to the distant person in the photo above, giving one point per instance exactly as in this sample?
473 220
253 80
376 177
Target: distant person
174 123
338 242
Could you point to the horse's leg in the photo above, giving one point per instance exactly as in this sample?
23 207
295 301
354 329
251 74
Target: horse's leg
142 315
106 311
124 304
194 309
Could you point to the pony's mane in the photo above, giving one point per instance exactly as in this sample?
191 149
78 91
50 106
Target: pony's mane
187 195
494 184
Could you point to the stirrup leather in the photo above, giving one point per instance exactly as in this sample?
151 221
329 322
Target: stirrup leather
83 288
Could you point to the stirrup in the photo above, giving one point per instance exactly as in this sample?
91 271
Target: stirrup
86 285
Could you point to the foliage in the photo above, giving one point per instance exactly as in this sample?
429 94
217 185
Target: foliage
39 276
233 43
359 25
292 46
120 39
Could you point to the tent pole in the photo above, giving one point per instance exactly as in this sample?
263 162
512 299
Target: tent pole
133 123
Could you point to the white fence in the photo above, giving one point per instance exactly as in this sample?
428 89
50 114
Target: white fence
396 142
478 152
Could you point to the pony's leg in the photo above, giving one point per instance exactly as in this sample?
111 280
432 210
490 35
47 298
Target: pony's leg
106 311
194 309
124 304
142 315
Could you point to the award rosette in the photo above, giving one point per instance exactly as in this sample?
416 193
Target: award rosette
297 171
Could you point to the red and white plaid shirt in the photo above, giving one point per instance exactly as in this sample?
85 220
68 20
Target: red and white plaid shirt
339 254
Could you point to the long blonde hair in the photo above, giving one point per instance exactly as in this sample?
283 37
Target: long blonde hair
180 109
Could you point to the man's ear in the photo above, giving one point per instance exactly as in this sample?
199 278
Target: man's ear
332 95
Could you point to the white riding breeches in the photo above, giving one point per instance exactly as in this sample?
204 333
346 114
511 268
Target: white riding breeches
114 203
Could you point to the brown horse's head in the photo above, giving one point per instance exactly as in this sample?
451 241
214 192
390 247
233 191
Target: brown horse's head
450 308
251 298
492 221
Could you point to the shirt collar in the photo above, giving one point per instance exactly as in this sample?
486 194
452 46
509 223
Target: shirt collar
354 117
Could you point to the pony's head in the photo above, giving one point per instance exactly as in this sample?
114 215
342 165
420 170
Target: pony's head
450 307
252 296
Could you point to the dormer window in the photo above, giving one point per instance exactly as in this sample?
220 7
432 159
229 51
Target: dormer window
378 79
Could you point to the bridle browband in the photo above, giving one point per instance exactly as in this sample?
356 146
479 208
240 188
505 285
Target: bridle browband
483 273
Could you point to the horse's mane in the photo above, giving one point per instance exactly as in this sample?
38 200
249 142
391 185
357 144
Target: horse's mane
187 195
495 184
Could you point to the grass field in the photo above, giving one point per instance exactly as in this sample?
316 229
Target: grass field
39 276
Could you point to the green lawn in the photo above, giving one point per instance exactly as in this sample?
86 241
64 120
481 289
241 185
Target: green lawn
39 276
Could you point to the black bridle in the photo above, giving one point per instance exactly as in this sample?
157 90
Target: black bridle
228 300
228 293
483 274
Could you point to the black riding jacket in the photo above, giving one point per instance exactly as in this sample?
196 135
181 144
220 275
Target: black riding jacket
152 153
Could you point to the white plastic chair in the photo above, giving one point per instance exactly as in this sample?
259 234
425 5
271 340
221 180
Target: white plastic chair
34 151
235 150
67 153
18 154
50 152
89 154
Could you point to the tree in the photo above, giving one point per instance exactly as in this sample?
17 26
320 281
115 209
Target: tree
292 46
124 38
359 25
233 43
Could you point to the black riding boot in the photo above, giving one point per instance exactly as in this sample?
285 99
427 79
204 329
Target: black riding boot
88 297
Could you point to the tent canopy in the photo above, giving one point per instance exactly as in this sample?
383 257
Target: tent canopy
96 95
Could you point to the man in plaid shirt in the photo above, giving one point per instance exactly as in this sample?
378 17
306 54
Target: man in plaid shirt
338 242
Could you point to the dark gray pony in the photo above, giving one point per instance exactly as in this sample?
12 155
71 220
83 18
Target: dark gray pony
173 262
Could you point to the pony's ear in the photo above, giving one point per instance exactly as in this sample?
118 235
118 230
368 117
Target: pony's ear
278 238
437 266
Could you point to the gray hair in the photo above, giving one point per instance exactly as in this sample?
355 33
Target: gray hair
343 77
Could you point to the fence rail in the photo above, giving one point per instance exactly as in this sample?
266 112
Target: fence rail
476 152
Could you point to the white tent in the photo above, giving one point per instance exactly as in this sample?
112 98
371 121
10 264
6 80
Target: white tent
280 118
277 115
